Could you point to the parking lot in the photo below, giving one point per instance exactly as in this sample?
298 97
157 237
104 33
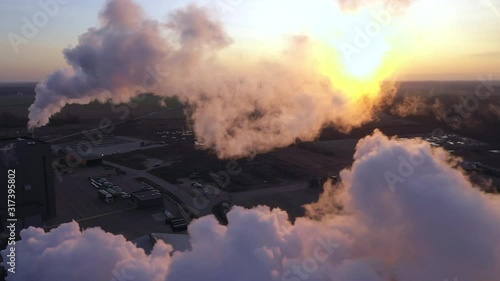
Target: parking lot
77 199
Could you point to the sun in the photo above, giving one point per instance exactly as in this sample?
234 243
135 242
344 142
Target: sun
359 75
366 63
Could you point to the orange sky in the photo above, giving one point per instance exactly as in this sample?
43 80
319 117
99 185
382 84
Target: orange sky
431 40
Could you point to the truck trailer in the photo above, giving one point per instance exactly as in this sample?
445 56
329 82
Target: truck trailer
104 195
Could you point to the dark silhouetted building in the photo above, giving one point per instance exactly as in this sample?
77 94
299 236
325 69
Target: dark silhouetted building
69 157
30 162
146 198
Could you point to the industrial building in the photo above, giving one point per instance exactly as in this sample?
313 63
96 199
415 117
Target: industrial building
146 198
69 157
29 162
179 242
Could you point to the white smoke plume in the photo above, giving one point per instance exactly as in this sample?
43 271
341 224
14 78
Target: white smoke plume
118 60
237 110
411 106
407 215
66 253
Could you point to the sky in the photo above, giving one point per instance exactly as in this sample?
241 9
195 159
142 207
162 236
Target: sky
436 40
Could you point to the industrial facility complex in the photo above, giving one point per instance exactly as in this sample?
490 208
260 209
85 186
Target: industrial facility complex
225 140
55 184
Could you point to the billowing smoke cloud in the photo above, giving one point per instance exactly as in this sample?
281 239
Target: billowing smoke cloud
411 106
417 214
120 59
237 110
406 215
463 111
66 253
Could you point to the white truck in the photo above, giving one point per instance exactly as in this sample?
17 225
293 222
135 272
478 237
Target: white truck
104 195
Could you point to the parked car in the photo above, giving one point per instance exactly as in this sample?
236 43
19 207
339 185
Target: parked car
124 195
105 196
168 214
197 185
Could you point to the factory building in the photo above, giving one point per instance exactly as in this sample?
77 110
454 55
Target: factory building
71 158
179 242
146 198
26 163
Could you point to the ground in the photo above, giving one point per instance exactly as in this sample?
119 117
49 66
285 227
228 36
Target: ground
77 200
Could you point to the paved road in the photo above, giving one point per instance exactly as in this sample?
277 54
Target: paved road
203 206
288 187
196 205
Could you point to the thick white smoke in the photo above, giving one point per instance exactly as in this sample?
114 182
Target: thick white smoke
407 215
66 253
120 59
238 109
